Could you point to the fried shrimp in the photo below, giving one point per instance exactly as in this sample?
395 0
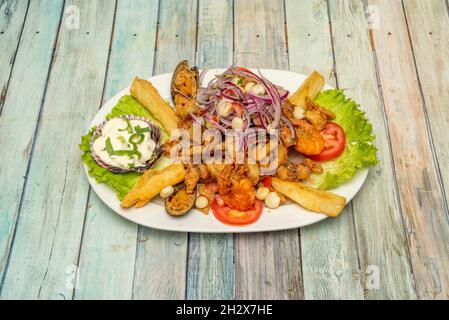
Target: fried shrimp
236 188
241 195
310 142
191 178
317 115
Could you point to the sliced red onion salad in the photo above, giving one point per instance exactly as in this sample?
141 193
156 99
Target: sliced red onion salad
258 110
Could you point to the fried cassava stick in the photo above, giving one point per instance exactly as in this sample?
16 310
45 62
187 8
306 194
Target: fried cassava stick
309 88
144 92
315 200
151 183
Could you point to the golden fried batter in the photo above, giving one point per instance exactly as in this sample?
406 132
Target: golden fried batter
310 142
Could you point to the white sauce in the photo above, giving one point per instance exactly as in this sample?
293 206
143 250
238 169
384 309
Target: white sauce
120 141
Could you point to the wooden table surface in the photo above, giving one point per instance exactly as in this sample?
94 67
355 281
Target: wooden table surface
60 60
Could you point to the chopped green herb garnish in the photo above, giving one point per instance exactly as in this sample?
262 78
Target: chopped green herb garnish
136 152
129 153
129 128
136 138
109 148
141 130
122 139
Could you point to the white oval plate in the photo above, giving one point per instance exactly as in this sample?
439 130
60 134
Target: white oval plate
153 215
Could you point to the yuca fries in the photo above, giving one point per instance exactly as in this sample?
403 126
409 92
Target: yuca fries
150 98
151 183
309 88
312 199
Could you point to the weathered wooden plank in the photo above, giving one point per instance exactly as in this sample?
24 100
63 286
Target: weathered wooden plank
381 238
21 110
309 40
428 24
328 249
47 241
268 265
162 256
109 241
422 199
260 42
215 39
12 18
211 256
211 266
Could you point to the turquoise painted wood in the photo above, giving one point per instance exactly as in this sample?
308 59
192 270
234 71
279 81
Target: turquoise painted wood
421 194
262 43
309 34
211 256
328 250
428 23
21 108
377 202
12 17
162 256
109 242
48 235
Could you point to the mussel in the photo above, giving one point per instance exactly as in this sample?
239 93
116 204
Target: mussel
184 87
180 202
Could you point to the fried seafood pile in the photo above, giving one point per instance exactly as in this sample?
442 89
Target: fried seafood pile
237 100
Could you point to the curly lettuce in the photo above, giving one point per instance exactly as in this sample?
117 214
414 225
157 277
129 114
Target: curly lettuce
360 152
120 182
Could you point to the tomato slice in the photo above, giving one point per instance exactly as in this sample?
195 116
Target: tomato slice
235 217
243 69
334 142
229 92
214 117
266 181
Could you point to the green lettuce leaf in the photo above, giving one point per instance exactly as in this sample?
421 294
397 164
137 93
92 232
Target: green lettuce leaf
128 105
360 152
120 182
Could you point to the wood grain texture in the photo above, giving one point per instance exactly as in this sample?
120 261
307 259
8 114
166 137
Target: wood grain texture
211 267
309 39
260 42
381 239
162 256
268 265
109 241
48 235
215 38
328 249
211 256
12 18
428 24
21 109
422 199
